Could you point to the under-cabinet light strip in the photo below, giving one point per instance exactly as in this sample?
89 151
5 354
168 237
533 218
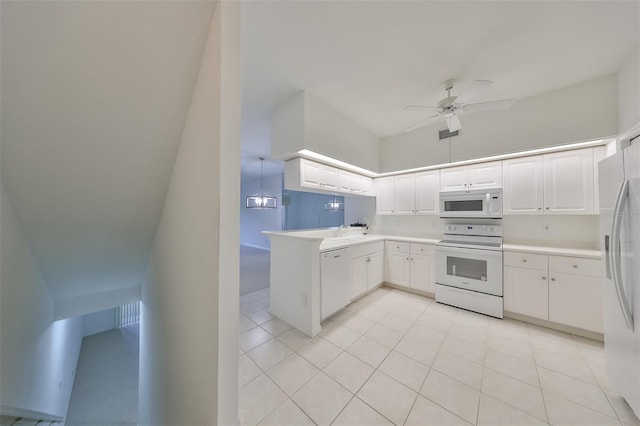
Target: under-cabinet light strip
312 155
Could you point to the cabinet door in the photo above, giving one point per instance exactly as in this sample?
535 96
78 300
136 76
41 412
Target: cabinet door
398 268
330 179
427 192
375 271
485 175
385 194
405 190
311 173
523 188
526 292
347 181
454 179
576 300
366 184
568 182
358 276
422 272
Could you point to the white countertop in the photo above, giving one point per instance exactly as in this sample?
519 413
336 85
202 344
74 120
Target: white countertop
347 241
554 251
328 241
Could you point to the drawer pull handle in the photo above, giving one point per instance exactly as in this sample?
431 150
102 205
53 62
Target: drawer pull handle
575 266
544 278
553 279
524 260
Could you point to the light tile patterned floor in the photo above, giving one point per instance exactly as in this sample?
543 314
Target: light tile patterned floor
397 358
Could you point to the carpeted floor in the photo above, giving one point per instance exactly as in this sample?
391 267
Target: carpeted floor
254 269
105 390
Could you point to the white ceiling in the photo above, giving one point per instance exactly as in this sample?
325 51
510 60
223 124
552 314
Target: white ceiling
94 95
369 59
94 98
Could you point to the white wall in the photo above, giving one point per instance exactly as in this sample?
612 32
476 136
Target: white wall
85 304
254 221
359 209
568 231
629 93
414 226
572 231
188 338
579 112
39 355
331 133
305 122
98 322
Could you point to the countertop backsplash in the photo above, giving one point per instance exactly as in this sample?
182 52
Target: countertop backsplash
552 231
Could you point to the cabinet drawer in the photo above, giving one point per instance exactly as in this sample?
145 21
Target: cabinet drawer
426 249
397 246
525 260
575 265
365 249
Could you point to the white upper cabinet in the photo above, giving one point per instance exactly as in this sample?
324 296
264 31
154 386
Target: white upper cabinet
475 176
523 185
305 175
454 179
554 184
427 192
354 183
568 182
485 175
405 194
385 195
412 193
316 175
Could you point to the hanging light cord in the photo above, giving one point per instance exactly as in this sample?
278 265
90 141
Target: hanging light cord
261 175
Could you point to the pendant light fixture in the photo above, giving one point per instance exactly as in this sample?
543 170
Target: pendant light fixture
334 204
261 200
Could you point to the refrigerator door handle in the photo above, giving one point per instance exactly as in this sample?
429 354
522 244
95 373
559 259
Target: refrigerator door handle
607 255
616 262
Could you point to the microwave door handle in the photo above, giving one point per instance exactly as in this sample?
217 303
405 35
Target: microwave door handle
616 261
488 202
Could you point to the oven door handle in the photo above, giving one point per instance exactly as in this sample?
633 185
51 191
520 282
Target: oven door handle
460 250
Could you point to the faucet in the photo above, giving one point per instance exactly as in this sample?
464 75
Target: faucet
341 230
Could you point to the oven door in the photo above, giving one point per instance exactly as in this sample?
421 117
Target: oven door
471 269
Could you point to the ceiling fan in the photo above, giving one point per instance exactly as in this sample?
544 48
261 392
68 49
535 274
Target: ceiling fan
451 106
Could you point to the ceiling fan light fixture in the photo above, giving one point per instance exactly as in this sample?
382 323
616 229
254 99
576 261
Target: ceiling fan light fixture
453 122
261 200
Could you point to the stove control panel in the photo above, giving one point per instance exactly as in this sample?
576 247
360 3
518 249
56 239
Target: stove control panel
473 229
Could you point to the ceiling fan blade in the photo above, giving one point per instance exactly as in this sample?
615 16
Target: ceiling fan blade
423 123
453 123
420 108
472 91
483 106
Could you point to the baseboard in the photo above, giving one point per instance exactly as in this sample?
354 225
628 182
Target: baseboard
255 246
555 326
410 290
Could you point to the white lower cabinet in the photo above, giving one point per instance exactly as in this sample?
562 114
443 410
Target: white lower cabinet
526 289
398 268
562 289
366 269
410 265
575 292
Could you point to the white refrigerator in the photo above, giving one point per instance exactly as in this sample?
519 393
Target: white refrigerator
619 192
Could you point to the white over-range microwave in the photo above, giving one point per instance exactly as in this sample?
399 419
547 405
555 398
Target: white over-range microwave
485 203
